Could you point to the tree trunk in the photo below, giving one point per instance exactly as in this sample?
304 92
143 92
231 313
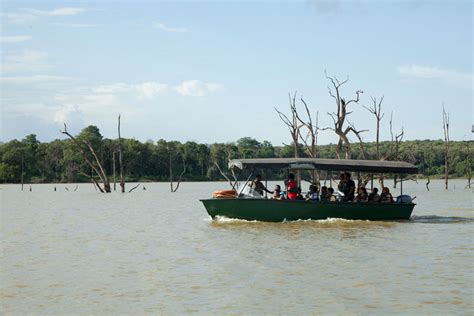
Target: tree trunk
468 165
99 171
22 171
446 147
113 168
122 173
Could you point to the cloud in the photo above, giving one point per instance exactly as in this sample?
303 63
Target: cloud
29 15
435 73
56 12
149 90
78 25
101 100
112 88
144 90
63 114
25 61
21 80
19 18
58 99
196 88
163 27
15 39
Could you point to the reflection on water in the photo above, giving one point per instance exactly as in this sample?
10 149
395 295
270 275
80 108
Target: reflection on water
156 252
433 219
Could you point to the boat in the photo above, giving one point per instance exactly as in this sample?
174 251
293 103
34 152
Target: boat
248 205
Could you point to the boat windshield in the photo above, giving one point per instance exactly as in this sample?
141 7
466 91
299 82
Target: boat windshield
247 192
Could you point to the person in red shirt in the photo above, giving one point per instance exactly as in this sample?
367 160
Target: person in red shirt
292 187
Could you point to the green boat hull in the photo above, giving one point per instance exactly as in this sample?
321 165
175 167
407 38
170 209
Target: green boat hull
276 211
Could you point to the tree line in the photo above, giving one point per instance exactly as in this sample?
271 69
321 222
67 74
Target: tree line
60 161
91 157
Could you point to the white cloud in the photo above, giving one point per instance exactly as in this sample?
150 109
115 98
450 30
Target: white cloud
25 61
435 73
15 39
57 99
163 27
78 25
196 88
144 90
21 17
112 88
149 90
63 114
29 15
101 100
33 79
56 12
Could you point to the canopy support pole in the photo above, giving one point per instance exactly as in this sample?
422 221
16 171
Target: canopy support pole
371 181
250 176
237 179
401 184
266 183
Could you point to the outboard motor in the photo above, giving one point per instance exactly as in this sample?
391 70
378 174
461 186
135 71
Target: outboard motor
404 199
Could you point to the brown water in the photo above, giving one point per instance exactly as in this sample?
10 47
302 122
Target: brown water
156 252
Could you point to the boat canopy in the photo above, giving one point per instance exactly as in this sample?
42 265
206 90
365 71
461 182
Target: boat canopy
325 164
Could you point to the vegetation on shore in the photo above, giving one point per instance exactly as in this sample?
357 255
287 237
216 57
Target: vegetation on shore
59 160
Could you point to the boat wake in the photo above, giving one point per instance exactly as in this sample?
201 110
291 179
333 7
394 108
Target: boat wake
223 219
434 219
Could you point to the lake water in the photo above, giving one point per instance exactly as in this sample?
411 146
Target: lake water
156 252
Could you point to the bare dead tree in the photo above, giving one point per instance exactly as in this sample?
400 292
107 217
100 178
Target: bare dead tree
359 138
233 183
113 169
339 117
93 180
122 172
134 188
175 188
393 152
376 110
293 127
95 165
310 140
468 165
428 183
446 146
396 140
292 123
224 175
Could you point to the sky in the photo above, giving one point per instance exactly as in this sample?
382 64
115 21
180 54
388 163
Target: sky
214 71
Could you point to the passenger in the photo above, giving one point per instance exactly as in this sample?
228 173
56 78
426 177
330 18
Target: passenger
386 196
277 194
342 183
324 193
349 187
332 198
258 186
374 195
292 187
300 195
313 194
362 195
